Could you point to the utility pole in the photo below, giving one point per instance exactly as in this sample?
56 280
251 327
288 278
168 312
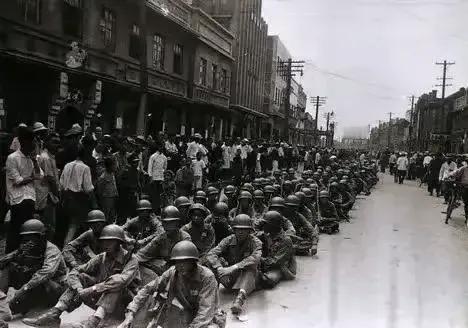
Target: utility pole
317 102
141 126
288 70
411 126
444 77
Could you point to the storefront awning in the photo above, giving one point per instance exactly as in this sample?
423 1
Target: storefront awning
248 111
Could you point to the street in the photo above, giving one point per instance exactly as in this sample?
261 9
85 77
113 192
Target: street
395 265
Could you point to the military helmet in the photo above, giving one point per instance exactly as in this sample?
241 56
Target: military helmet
170 213
144 205
334 185
248 187
277 202
301 195
258 194
310 181
245 195
287 183
184 250
343 182
221 209
229 190
242 221
212 191
292 201
112 232
324 194
268 189
200 194
200 207
314 186
32 227
291 171
273 218
182 201
96 216
277 187
307 192
345 177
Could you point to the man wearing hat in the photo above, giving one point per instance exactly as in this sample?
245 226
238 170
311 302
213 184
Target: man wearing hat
154 257
40 135
108 281
235 260
36 270
187 283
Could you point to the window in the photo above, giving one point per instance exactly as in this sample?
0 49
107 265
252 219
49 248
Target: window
178 59
72 18
223 82
203 66
158 51
134 45
214 69
31 10
107 27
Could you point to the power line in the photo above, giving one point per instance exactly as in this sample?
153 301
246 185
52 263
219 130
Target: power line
444 77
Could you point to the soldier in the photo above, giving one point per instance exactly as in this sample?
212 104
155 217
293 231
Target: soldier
287 188
219 220
244 205
278 205
106 282
144 228
259 207
183 204
85 246
348 199
291 174
153 258
213 195
230 192
201 233
277 262
268 192
36 270
200 197
305 233
303 209
337 200
311 202
329 217
190 285
235 260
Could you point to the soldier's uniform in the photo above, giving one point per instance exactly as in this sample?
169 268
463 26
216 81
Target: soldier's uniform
81 249
329 217
143 231
219 221
203 238
38 278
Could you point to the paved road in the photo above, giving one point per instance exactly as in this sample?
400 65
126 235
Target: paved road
396 265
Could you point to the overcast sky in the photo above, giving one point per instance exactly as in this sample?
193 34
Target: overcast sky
368 56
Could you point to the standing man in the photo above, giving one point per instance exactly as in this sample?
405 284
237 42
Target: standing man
402 167
157 165
78 193
47 190
21 171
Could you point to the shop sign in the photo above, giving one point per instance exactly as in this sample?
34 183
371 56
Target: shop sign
63 85
98 95
76 56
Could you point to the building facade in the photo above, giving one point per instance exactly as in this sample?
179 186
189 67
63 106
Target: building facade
138 66
244 19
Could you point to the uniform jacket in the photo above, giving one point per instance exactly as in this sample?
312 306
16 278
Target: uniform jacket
160 247
81 249
220 226
113 275
145 231
278 254
303 227
243 255
204 239
197 297
53 267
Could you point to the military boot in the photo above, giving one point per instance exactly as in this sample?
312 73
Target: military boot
50 318
236 307
91 322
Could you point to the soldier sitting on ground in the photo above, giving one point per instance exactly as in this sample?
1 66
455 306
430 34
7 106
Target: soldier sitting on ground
235 260
201 233
185 296
219 220
153 258
259 207
304 238
143 228
106 282
328 222
183 204
277 262
36 270
85 246
231 195
244 206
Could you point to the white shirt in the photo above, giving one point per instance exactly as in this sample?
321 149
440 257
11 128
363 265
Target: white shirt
317 158
446 169
227 156
192 149
48 165
427 160
156 166
198 166
402 163
245 150
19 167
76 177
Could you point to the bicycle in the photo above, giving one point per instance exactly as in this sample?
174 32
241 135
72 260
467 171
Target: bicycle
455 192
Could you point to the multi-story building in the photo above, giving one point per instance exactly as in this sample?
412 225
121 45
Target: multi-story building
140 66
244 19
